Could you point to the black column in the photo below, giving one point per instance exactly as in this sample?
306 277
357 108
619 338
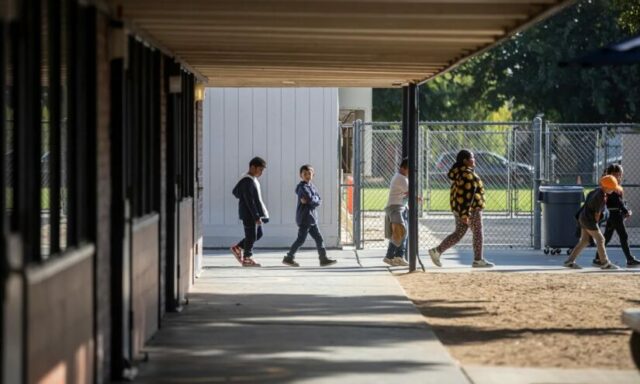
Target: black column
28 129
172 69
405 121
412 152
120 293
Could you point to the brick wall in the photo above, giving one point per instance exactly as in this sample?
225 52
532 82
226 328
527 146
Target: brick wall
103 199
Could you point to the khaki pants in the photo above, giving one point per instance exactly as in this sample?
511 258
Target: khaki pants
584 241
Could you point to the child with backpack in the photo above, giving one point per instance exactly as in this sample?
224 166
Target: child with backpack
588 217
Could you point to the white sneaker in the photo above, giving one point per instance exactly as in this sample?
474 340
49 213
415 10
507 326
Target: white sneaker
609 266
389 261
400 262
482 263
435 257
571 264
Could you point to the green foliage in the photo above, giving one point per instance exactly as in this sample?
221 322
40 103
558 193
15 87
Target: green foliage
387 104
629 15
521 77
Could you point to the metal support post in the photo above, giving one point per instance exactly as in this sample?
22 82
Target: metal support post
412 144
537 164
357 183
405 120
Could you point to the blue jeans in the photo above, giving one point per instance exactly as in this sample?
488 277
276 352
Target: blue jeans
303 230
252 233
395 251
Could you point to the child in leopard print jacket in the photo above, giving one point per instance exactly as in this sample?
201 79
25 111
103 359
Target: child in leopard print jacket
467 202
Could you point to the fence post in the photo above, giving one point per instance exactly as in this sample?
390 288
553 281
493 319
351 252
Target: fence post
357 184
549 158
341 183
537 166
605 146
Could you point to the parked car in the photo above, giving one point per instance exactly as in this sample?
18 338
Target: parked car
493 168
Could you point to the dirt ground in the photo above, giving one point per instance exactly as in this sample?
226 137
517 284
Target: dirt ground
567 320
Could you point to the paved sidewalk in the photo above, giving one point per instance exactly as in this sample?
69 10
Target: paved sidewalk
510 260
348 323
276 324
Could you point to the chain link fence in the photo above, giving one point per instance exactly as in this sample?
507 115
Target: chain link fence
578 154
504 158
572 154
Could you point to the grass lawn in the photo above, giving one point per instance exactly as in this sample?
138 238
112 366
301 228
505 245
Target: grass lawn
45 200
375 199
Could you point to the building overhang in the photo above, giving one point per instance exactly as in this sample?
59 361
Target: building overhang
328 43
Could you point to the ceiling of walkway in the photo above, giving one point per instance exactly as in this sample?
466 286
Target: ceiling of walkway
337 43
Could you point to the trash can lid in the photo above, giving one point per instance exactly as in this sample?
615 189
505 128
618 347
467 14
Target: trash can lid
561 188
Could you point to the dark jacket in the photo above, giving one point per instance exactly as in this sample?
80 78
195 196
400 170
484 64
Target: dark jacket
467 191
249 206
595 203
306 213
616 203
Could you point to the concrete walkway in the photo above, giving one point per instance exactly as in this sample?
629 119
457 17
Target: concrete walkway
276 324
348 323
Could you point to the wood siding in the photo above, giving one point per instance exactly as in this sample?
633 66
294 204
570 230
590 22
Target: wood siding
287 127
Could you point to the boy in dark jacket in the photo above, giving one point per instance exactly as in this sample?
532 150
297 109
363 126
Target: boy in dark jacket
307 219
618 213
251 210
588 218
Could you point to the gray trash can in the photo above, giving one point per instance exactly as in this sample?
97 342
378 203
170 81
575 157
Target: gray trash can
559 207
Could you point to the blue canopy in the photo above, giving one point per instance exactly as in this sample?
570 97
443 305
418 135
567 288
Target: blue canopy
622 53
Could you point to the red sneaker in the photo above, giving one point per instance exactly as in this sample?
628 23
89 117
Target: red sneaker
237 252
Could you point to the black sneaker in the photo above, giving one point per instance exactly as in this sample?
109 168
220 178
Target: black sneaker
596 262
633 263
288 260
327 262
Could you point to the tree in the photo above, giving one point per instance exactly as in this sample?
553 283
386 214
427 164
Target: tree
526 69
521 77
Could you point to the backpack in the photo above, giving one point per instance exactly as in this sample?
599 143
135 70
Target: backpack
605 214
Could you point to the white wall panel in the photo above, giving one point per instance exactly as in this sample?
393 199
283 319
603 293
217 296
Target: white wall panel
227 165
274 150
288 127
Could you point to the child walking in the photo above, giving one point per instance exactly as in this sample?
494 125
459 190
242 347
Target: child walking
588 218
618 213
307 219
466 198
395 213
251 210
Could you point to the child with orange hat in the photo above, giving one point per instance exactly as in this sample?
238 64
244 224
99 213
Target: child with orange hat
588 219
618 213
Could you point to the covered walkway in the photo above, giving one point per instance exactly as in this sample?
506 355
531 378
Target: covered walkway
349 323
342 324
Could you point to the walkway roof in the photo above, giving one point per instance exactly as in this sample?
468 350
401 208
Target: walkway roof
367 43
